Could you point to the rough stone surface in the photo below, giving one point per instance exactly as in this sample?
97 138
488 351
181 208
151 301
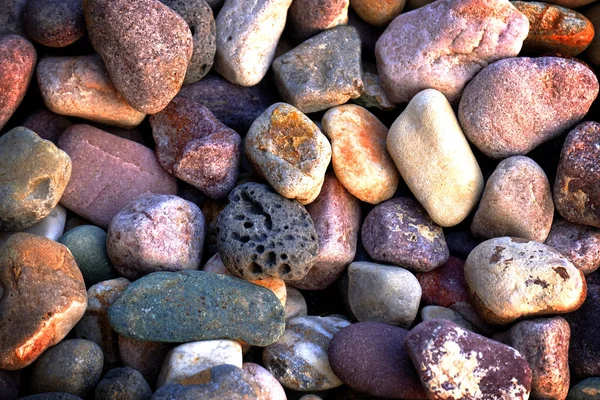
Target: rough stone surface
378 13
269 385
46 124
306 18
123 384
516 201
295 304
373 95
146 47
11 20
509 278
400 232
51 396
52 226
556 92
108 173
444 285
80 87
580 244
146 357
587 389
457 364
438 312
434 158
445 44
322 72
593 51
54 23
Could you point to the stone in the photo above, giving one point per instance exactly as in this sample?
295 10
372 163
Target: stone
306 18
396 300
262 234
108 173
587 389
437 312
445 285
269 385
80 87
456 363
555 29
575 188
322 72
51 226
295 304
46 124
457 39
378 13
11 20
359 155
544 342
196 147
87 244
299 358
211 210
370 357
72 366
593 51
139 42
491 108
123 384
185 361
516 201
9 386
156 233
434 158
54 23
571 3
146 357
469 314
509 278
159 306
17 63
461 242
247 35
399 231
199 17
290 151
373 95
94 325
336 215
580 244
51 396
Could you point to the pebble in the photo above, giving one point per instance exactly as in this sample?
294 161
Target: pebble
123 384
491 108
455 363
373 95
571 3
299 358
516 201
378 13
580 244
593 51
399 231
370 357
322 72
51 396
143 356
445 285
577 176
555 29
306 18
9 386
188 306
139 41
46 124
437 312
461 242
54 23
108 173
544 342
336 215
444 44
295 304
383 293
587 389
80 87
434 158
270 387
509 278
196 147
359 155
51 226
11 20
247 35
73 366
289 151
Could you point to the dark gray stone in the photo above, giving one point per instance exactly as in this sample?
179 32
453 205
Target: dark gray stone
587 389
54 23
51 396
123 384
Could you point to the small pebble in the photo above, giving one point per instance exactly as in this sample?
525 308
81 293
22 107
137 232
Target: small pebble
123 384
146 357
445 285
587 389
306 18
580 244
437 312
295 305
373 95
51 396
270 387
11 20
54 23
376 12
46 124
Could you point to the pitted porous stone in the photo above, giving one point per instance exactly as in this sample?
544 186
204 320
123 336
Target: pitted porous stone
261 234
579 243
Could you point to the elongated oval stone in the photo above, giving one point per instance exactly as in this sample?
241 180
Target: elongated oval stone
187 306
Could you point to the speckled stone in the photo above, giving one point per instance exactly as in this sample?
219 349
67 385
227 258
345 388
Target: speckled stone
444 285
579 243
455 363
270 387
438 312
491 108
54 23
51 396
593 51
299 358
139 41
146 357
52 226
123 384
376 12
295 304
400 232
11 20
576 188
587 389
46 124
322 72
509 278
306 18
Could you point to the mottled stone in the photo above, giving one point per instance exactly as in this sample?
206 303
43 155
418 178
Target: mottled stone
457 364
491 108
576 187
587 389
54 23
52 226
593 51
445 44
400 232
438 312
123 384
46 124
146 357
108 173
444 285
299 358
146 47
306 18
51 396
378 13
80 87
270 387
434 158
295 304
580 244
509 278
373 95
322 72
11 19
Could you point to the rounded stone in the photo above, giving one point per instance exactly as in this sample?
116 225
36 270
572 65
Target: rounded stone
72 366
52 226
587 389
373 95
295 305
377 13
11 20
400 232
516 201
46 124
290 151
51 396
438 312
580 244
123 384
270 387
306 18
261 234
143 356
54 23
445 285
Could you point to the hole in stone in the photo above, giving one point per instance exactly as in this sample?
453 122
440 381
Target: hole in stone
288 237
193 30
284 256
286 227
229 38
245 239
284 269
271 258
248 225
261 238
255 268
313 237
260 249
239 218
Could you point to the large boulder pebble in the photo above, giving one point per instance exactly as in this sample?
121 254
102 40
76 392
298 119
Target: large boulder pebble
579 243
54 23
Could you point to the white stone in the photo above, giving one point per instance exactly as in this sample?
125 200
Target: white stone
271 388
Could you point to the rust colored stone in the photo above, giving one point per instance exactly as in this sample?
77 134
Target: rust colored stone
445 285
378 12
